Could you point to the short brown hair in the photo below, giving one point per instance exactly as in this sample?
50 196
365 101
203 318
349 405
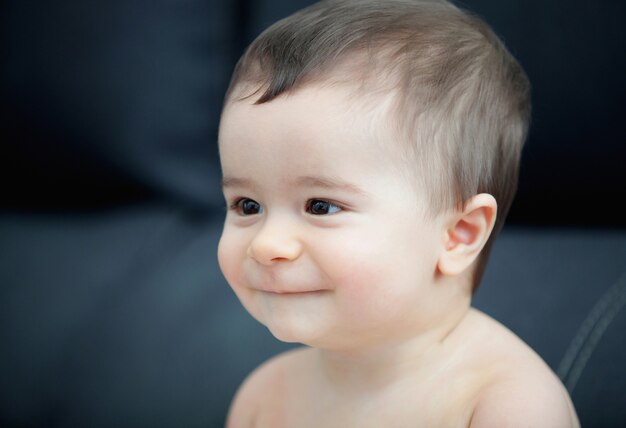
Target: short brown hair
461 98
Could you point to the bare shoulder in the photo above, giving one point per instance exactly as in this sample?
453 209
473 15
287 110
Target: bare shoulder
524 401
262 388
522 390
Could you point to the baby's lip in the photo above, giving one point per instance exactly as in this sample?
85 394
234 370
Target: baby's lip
286 282
289 290
293 293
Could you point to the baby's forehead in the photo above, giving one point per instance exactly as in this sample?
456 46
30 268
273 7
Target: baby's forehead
361 81
350 109
364 109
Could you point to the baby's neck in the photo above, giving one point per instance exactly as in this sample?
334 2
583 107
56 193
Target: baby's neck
375 368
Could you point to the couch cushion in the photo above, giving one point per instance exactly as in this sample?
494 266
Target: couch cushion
112 101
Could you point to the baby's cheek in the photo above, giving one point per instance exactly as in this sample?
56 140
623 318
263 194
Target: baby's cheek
229 259
363 278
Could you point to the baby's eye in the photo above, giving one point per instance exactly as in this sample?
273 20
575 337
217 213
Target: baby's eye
321 207
247 206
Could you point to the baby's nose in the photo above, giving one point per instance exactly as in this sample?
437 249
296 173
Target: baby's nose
274 243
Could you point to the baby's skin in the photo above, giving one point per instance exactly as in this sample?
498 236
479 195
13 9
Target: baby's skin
328 242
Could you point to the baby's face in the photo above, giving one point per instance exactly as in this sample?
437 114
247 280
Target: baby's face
324 241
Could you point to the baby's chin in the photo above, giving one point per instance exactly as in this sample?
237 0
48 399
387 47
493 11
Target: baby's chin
326 336
294 318
294 330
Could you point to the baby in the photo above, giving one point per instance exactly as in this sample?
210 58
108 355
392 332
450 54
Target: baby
370 152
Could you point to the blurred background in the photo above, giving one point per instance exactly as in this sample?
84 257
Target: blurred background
113 311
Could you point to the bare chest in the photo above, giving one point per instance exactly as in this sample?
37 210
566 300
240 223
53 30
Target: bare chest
428 405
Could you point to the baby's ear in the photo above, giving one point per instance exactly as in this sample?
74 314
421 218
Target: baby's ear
466 234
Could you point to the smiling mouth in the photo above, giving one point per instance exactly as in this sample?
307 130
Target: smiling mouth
294 293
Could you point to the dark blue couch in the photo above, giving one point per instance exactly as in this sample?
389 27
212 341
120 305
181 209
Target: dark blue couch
113 311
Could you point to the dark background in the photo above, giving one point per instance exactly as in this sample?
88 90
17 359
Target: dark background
112 309
114 102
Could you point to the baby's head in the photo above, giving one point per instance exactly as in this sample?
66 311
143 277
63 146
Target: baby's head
442 91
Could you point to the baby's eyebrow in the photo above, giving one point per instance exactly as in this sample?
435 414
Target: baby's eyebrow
237 182
304 181
329 183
